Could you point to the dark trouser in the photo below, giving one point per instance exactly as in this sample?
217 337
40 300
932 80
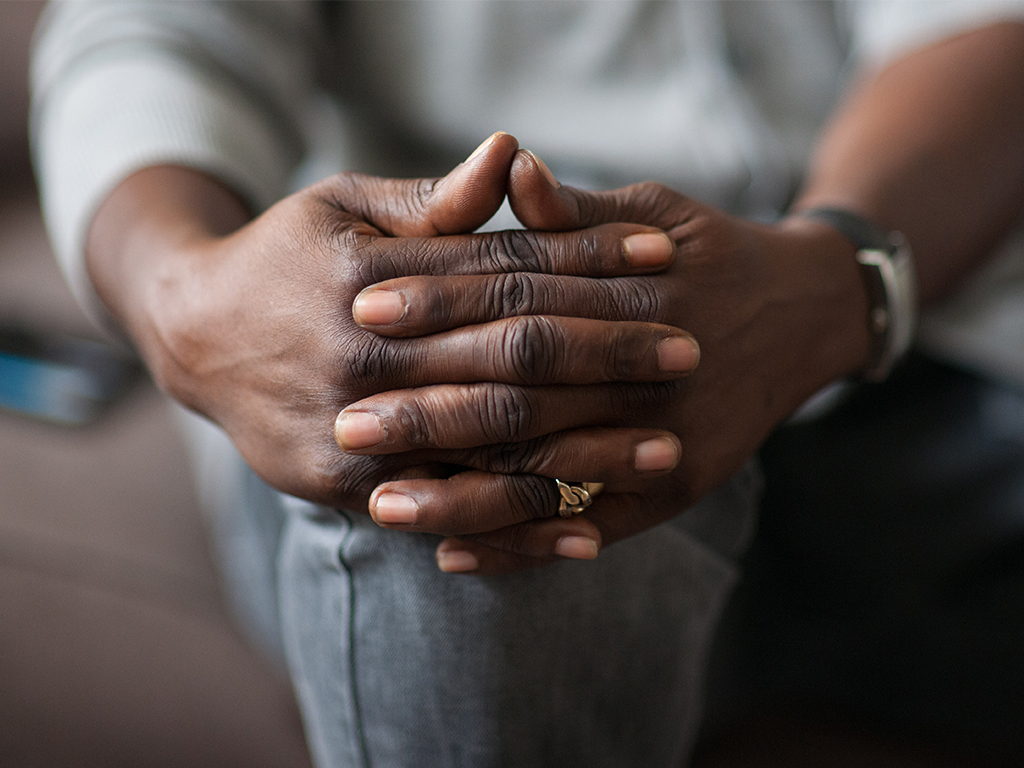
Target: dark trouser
887 578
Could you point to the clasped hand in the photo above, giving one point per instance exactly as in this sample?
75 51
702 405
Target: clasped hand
564 338
471 369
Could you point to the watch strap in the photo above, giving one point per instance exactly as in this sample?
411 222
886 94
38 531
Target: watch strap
887 268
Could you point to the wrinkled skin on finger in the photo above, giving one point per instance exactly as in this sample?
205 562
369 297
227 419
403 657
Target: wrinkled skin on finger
776 310
747 292
254 327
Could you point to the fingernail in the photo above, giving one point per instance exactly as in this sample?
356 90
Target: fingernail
457 561
678 354
648 249
353 431
545 171
487 142
378 307
395 508
576 547
656 454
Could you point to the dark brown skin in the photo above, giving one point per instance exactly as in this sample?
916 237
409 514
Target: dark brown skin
254 327
933 146
250 323
744 290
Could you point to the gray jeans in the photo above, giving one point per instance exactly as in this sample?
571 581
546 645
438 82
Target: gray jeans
397 664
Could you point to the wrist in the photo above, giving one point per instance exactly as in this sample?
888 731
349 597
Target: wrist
825 281
149 241
887 269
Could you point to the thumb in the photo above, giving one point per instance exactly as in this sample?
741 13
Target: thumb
457 203
541 203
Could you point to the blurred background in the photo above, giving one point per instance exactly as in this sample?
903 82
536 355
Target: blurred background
115 646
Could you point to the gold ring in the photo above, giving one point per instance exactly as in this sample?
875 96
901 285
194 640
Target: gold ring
576 498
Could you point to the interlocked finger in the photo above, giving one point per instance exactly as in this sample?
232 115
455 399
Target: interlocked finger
473 557
596 454
469 503
540 350
608 250
466 503
520 485
473 505
612 517
421 305
452 416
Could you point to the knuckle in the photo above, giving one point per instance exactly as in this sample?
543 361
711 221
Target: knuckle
372 265
529 497
589 248
530 347
350 481
379 202
338 191
651 191
411 211
621 356
640 300
381 259
363 266
657 200
416 423
511 458
421 192
313 472
593 209
508 414
352 193
515 250
512 294
436 300
634 402
325 474
386 209
372 361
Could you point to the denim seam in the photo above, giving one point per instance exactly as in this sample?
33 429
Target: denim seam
357 719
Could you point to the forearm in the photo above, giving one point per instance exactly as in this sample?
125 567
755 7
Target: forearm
933 146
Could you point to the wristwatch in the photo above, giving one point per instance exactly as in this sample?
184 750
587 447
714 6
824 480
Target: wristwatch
887 266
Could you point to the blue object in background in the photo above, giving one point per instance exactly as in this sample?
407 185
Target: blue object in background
60 379
50 391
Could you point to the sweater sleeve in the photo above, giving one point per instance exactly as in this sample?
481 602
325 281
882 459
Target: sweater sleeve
119 86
